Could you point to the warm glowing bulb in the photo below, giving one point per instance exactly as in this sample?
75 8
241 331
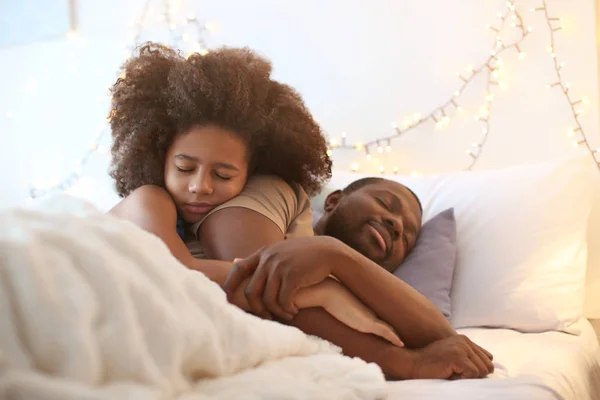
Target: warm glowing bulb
502 85
500 61
203 52
333 142
212 26
394 125
495 73
585 100
468 151
530 29
355 167
571 132
358 146
457 93
416 117
438 124
522 55
446 120
484 111
388 148
380 149
581 111
344 134
490 97
73 34
460 109
575 143
415 173
369 157
407 123
329 152
185 37
395 169
470 68
381 168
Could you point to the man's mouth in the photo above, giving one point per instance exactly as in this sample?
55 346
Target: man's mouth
381 236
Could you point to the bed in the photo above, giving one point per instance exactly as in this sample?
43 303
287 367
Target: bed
539 366
118 325
527 246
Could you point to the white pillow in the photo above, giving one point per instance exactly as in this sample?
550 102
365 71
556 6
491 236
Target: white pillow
521 236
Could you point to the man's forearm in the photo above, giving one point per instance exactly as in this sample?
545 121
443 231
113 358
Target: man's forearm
416 320
394 361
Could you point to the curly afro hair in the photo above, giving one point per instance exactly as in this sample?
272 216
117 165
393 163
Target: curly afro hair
162 94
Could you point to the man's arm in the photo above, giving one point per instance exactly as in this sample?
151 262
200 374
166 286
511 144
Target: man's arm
418 321
238 232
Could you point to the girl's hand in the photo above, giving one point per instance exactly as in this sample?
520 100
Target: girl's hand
343 305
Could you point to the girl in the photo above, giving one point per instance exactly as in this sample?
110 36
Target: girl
189 134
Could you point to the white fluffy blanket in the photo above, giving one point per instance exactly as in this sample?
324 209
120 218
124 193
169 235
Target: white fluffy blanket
92 307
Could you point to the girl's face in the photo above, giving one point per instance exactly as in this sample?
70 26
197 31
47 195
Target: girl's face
205 167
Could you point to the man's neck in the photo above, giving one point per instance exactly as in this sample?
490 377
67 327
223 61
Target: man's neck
319 226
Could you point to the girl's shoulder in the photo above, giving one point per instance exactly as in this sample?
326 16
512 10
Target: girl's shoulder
147 198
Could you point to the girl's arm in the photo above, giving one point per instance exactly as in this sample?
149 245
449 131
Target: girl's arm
152 208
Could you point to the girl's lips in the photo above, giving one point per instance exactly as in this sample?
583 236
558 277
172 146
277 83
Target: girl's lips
199 208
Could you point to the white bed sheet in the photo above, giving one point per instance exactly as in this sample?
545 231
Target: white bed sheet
542 366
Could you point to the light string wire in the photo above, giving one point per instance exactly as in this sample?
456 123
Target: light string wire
580 137
440 114
196 45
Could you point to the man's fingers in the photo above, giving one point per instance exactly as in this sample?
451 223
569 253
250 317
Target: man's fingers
479 364
484 358
489 355
287 294
469 370
270 297
254 291
239 272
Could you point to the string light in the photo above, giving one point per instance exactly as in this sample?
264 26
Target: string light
180 38
493 66
577 112
441 115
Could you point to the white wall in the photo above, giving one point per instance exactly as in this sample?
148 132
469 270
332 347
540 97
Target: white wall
360 65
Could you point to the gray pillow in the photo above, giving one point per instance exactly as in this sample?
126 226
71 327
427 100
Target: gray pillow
429 268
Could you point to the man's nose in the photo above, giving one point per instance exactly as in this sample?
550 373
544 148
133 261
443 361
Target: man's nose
394 225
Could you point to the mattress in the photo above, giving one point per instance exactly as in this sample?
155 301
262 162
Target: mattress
544 366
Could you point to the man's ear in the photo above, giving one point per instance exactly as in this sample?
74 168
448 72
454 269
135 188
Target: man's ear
332 200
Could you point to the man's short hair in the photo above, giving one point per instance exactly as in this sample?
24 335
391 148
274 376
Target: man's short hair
360 183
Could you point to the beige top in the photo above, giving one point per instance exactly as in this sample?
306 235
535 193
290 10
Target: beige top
288 207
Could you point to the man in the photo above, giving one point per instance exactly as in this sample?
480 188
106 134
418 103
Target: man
377 217
372 223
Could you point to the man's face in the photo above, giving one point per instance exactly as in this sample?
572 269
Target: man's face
381 221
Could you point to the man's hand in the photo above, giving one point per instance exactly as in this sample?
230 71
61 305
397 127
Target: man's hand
456 357
278 271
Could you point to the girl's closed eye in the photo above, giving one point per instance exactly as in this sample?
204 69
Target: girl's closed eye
185 170
223 176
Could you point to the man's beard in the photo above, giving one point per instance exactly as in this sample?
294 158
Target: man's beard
339 226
